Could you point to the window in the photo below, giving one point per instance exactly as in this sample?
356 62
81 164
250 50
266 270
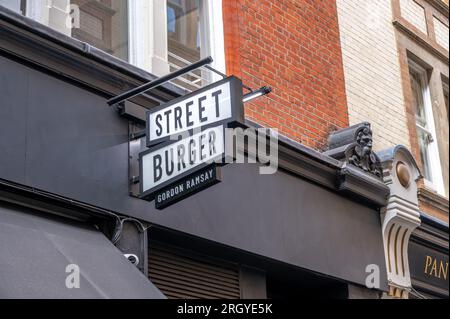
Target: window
187 30
15 5
429 153
159 36
101 23
445 89
183 39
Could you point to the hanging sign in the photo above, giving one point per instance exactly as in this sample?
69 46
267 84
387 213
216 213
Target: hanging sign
218 102
164 164
171 170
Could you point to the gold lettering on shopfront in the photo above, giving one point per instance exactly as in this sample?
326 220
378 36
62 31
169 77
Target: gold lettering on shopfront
436 268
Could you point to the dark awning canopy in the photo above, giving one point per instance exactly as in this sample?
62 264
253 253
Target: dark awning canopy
35 251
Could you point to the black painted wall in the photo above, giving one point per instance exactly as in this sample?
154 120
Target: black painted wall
65 140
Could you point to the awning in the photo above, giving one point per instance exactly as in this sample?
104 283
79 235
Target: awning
35 251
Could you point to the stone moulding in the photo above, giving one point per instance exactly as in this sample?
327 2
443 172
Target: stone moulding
400 217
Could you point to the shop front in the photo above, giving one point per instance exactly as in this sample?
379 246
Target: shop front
313 228
428 257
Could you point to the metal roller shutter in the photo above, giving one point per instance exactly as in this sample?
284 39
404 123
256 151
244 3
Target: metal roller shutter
182 274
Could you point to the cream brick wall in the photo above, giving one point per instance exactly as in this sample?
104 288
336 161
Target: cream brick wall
414 13
441 31
372 70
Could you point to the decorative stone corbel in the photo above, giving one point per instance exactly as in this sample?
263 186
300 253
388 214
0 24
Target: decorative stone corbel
400 217
361 172
353 145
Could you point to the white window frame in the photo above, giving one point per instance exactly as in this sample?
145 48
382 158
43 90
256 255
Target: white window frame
14 5
214 43
52 13
38 11
445 89
148 35
148 20
437 181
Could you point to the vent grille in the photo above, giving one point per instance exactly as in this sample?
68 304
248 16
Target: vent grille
181 274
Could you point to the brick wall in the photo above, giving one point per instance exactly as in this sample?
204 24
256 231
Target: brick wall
414 13
441 31
294 47
372 70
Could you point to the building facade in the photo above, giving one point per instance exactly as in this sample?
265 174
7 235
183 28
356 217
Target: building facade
320 226
395 57
294 47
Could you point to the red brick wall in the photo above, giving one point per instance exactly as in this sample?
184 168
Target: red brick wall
294 47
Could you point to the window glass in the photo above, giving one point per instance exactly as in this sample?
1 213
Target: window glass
445 85
418 98
426 128
184 39
423 135
15 5
101 23
171 20
184 28
424 156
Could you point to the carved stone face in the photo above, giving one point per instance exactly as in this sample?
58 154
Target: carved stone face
365 140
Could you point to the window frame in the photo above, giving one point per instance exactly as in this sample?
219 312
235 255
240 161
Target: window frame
436 183
151 23
445 90
146 20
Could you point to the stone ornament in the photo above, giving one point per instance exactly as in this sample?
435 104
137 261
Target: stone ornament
403 174
354 146
400 216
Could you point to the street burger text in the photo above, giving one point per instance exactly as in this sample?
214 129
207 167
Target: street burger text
201 109
179 157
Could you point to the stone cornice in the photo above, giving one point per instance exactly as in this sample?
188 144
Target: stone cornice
435 200
327 171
